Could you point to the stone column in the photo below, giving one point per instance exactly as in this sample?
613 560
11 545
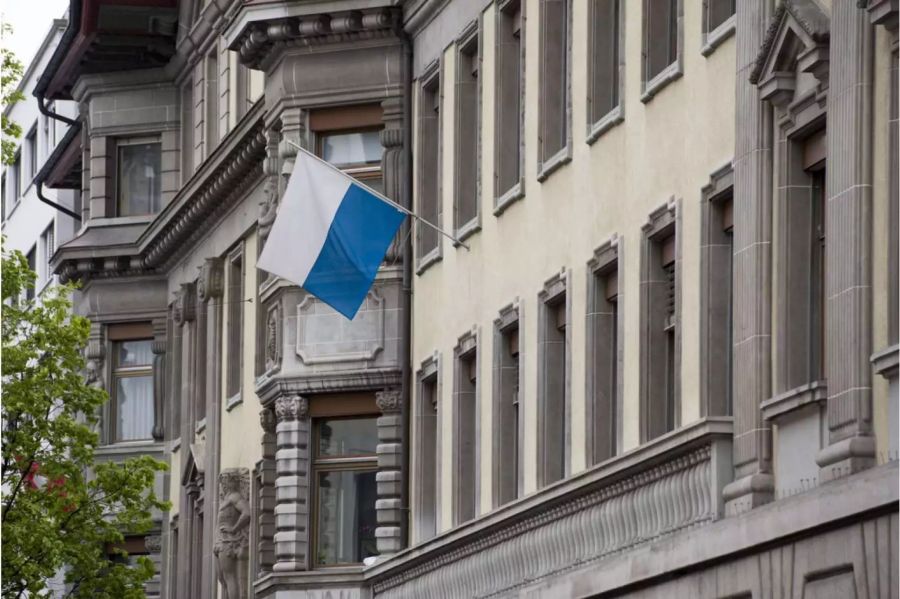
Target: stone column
388 509
153 545
848 234
752 383
266 499
158 348
291 484
210 290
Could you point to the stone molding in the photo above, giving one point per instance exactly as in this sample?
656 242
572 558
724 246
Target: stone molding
211 283
389 401
674 483
184 308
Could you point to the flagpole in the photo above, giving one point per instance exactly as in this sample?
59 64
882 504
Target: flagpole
382 197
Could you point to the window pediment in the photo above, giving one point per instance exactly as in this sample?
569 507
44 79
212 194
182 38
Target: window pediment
796 42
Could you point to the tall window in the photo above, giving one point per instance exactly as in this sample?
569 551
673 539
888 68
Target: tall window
466 179
604 376
344 466
553 385
605 86
660 353
716 12
5 190
429 201
349 138
234 299
15 181
132 406
661 43
31 147
138 181
211 101
817 300
31 258
507 407
427 449
187 130
48 246
508 106
464 425
716 301
554 84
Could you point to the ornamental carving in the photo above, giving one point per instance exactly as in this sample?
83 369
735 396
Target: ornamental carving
268 208
153 544
211 283
233 531
291 407
183 307
273 333
267 420
388 401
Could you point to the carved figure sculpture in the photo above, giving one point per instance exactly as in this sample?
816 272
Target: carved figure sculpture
233 534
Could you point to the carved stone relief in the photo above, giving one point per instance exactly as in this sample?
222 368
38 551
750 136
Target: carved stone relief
325 337
233 532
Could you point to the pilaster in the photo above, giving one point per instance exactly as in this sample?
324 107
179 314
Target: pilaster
752 383
291 483
388 509
848 218
265 499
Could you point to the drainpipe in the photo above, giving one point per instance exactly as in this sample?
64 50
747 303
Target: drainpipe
406 294
39 180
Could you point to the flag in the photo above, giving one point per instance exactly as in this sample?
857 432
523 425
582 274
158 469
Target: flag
330 234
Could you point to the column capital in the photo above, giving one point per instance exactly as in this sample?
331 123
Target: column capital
211 283
291 407
183 309
389 401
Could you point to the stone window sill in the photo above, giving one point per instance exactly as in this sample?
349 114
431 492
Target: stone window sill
430 258
795 399
511 195
200 426
123 448
717 36
671 73
607 122
234 401
886 361
554 163
468 229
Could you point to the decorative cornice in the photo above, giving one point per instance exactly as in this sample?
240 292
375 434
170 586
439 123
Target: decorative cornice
259 38
808 16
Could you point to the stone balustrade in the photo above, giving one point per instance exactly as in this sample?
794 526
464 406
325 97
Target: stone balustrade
670 484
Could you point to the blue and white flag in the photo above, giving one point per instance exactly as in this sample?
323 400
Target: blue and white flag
330 234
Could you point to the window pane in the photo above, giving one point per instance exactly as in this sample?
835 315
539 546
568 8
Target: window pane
134 353
139 179
346 517
347 437
134 407
352 148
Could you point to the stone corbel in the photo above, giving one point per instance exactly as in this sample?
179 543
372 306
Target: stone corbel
211 283
184 307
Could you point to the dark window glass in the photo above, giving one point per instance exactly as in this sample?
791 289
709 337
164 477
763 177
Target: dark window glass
139 189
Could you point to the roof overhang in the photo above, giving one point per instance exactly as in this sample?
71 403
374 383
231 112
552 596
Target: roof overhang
62 169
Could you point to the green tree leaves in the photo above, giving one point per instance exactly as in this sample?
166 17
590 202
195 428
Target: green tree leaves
10 74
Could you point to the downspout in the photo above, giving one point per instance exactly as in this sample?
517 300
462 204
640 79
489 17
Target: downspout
406 294
39 181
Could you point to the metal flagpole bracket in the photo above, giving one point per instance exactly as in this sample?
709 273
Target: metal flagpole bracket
382 197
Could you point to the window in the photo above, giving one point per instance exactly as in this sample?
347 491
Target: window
187 131
48 246
817 274
662 45
344 466
31 147
604 351
234 300
554 84
15 180
138 190
465 408
894 205
132 408
467 132
31 258
5 190
211 101
553 381
605 91
427 451
507 438
509 105
716 298
350 139
429 188
716 12
50 128
660 343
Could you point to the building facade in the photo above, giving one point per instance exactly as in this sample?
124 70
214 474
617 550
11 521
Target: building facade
498 420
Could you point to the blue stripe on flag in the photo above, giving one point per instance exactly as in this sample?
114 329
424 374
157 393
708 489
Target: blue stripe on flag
360 234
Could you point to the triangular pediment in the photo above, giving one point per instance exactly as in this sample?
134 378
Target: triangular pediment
796 41
195 460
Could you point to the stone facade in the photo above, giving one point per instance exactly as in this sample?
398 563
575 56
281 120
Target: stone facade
497 420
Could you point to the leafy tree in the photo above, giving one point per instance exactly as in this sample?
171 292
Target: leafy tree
12 70
61 510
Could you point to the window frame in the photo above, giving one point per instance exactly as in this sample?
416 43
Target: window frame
554 296
31 144
509 319
48 247
503 198
120 142
596 127
115 373
430 85
318 465
427 524
234 302
715 37
466 485
652 85
550 163
468 44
